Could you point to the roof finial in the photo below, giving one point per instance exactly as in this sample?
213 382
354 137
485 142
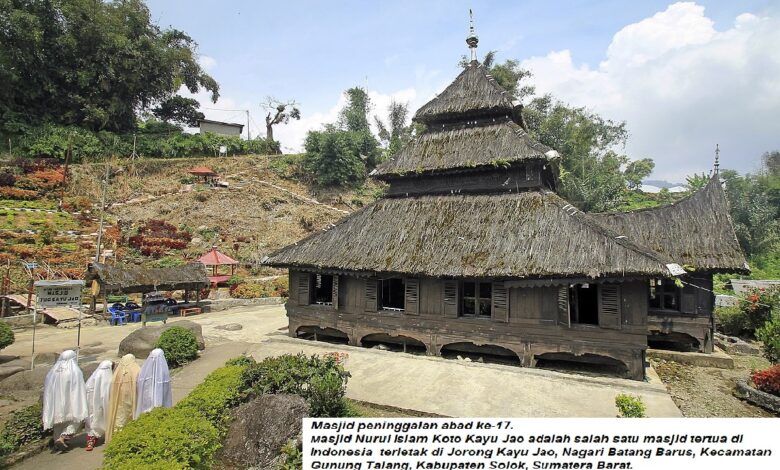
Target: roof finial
472 39
717 159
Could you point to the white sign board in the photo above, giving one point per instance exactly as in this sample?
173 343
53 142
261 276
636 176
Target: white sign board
58 293
675 269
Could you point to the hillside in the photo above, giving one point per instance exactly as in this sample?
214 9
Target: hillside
265 206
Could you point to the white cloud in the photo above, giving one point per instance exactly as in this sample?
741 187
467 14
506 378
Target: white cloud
682 86
207 62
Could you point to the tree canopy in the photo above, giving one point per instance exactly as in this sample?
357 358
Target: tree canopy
92 64
343 152
594 174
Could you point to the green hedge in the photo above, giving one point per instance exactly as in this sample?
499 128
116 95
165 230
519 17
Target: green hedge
52 141
185 436
217 395
164 438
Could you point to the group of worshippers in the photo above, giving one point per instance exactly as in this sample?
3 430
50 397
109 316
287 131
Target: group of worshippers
113 396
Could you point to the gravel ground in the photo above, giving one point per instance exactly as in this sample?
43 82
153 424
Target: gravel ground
705 392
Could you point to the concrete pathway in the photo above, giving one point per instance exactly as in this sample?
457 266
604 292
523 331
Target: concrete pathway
464 389
182 383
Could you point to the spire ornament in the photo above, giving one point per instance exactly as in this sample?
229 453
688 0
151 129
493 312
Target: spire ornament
716 167
472 40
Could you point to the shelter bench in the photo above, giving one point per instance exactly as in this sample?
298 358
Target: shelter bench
191 310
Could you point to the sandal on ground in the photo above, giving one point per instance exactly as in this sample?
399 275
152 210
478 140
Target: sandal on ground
91 441
60 443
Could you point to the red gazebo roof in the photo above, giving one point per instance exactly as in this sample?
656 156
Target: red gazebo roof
216 258
203 171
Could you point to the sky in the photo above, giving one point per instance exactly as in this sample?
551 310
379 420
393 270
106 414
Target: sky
684 76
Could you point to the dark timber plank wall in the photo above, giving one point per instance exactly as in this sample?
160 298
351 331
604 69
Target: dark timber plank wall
532 328
498 180
695 318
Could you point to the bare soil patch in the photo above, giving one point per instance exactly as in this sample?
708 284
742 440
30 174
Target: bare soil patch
705 392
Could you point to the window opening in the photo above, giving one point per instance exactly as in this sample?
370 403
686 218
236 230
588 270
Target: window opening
584 304
323 289
477 299
664 295
392 294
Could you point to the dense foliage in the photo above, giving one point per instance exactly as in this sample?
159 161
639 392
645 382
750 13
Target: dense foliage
343 153
754 201
175 438
321 381
188 435
221 391
152 139
90 64
769 335
630 406
179 345
758 304
23 426
6 335
768 380
731 320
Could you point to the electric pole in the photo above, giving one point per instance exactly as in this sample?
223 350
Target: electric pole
248 132
102 213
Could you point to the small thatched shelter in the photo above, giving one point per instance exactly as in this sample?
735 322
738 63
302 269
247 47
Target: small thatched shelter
472 251
109 280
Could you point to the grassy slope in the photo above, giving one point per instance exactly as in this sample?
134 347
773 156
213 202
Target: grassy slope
252 216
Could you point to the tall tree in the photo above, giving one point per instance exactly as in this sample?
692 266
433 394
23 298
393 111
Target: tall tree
594 174
279 112
354 116
179 110
89 63
396 133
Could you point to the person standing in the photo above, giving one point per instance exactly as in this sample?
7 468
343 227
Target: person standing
98 394
154 384
121 404
64 399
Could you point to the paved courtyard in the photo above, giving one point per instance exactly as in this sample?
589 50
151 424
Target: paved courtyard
421 383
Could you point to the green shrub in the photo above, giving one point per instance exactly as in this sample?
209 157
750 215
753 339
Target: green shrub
293 457
630 406
23 426
732 320
769 335
179 345
222 390
6 335
758 304
321 381
243 361
164 438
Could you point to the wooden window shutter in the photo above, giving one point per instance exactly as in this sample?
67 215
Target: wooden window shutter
610 301
371 294
412 288
563 306
451 298
500 302
335 292
688 299
304 287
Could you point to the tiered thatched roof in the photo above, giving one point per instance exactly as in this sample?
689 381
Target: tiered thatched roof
135 279
491 143
473 93
526 235
695 231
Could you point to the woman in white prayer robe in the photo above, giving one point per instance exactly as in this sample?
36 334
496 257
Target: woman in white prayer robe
154 384
98 395
64 399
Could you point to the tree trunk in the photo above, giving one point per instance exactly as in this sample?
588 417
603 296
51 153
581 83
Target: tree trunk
269 132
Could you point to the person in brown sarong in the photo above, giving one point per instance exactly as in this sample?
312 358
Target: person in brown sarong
122 402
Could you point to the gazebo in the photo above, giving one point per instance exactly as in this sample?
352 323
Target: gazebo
215 259
204 174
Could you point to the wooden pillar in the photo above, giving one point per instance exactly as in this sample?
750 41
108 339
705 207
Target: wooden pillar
197 297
